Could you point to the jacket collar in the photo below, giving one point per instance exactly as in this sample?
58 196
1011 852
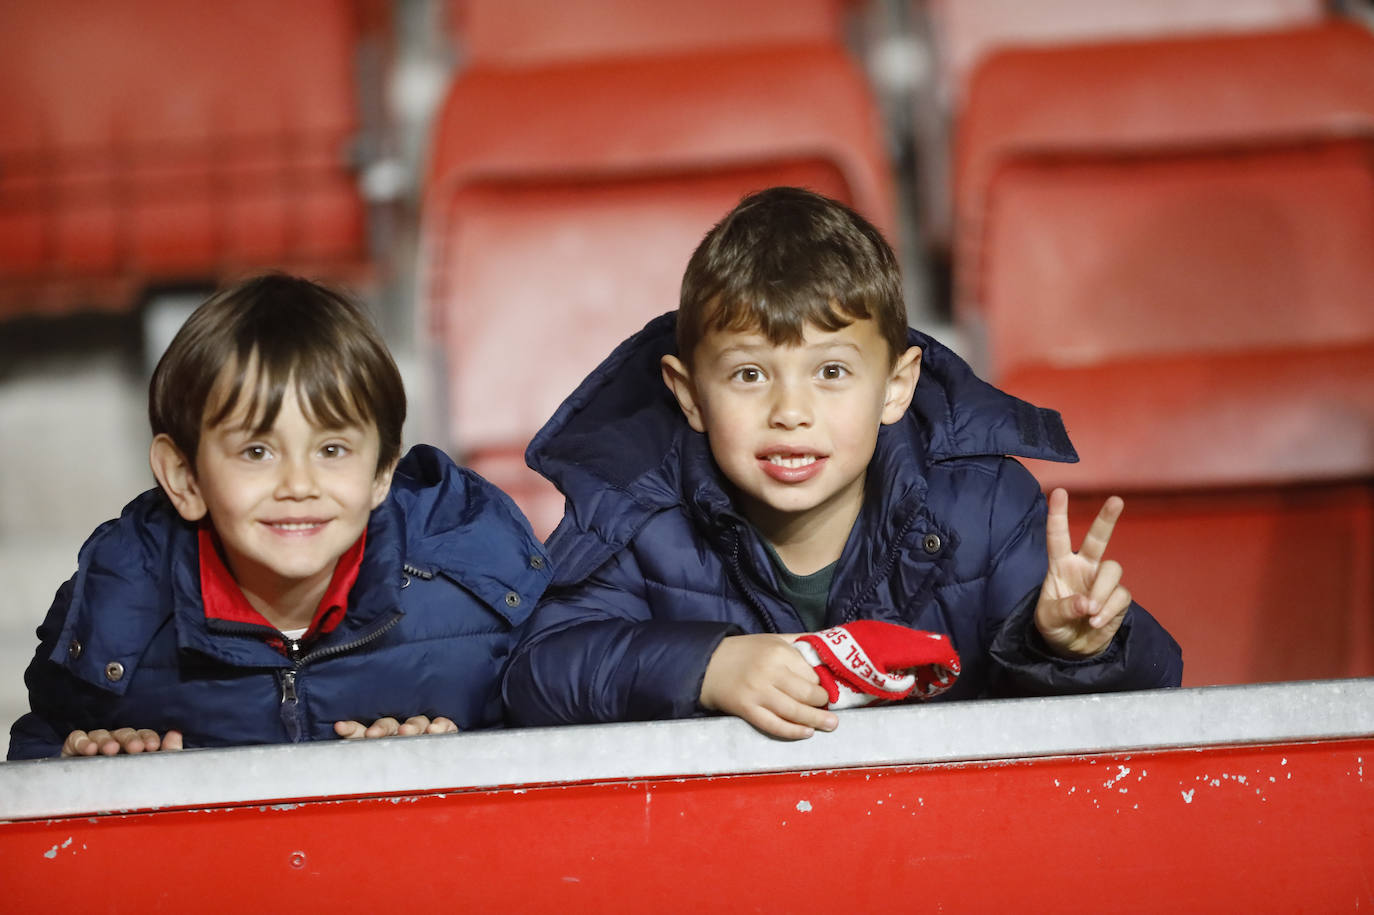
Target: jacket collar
372 597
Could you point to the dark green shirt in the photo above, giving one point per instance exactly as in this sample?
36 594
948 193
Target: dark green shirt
806 593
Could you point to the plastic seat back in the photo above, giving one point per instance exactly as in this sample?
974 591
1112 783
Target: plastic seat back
524 32
1209 97
966 31
148 142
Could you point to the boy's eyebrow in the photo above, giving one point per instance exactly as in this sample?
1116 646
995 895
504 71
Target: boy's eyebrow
837 344
743 349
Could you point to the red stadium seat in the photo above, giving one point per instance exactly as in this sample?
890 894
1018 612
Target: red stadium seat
1170 243
523 32
1091 260
1136 99
563 202
966 31
148 142
962 33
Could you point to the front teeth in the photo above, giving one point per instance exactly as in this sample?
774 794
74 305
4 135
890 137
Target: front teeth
305 526
790 462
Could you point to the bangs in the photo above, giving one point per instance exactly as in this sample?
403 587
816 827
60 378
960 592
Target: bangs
258 384
782 320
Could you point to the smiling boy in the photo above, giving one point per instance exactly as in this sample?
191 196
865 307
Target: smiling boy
292 577
808 461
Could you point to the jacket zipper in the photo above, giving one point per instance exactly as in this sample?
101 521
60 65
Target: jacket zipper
759 610
889 560
851 612
290 710
290 716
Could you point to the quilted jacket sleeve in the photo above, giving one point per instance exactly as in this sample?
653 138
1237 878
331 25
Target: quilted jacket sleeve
595 652
1142 656
41 731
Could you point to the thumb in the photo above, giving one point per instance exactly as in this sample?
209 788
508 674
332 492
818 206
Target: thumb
171 740
1062 611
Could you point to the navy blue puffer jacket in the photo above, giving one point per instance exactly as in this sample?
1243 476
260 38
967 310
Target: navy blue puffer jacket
449 576
655 566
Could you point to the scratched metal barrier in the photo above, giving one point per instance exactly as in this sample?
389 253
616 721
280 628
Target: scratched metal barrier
1251 798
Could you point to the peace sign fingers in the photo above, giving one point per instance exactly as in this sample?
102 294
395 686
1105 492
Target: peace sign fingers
1057 540
1082 601
1095 541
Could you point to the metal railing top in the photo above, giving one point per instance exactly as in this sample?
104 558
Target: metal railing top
889 736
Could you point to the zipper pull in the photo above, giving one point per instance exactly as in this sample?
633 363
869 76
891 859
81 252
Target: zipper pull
290 709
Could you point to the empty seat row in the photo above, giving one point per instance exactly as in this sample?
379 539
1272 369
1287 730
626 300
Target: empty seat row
147 143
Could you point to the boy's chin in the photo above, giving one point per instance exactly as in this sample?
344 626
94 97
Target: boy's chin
781 510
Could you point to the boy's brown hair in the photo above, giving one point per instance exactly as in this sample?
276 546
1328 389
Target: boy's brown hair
290 330
786 257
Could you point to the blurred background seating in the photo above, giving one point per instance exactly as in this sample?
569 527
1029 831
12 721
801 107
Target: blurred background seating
147 144
527 32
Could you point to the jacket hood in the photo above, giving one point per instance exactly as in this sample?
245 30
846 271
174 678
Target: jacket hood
616 446
433 502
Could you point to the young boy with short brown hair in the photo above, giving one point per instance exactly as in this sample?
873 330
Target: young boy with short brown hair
809 462
292 577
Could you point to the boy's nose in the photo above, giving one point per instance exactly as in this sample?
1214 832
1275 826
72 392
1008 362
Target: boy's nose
297 480
791 408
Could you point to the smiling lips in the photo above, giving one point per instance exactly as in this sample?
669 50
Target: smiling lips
791 467
304 526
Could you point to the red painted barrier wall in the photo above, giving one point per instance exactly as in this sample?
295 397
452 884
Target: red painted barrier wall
1266 828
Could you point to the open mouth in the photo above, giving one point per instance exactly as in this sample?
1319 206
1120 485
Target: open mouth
791 467
790 461
290 527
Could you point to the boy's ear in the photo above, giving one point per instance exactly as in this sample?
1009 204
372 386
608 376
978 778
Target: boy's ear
679 380
901 385
177 477
381 484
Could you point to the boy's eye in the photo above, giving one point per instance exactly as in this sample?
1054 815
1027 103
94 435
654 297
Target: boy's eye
749 375
256 453
833 371
334 450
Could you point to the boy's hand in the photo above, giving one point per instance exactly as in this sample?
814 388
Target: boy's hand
120 740
390 727
765 681
1082 602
